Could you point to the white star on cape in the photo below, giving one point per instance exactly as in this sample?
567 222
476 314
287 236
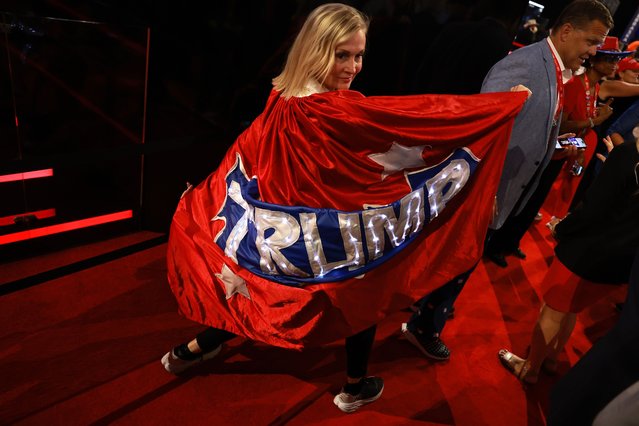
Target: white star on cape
399 157
233 283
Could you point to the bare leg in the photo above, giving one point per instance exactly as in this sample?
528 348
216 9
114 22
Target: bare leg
548 332
567 327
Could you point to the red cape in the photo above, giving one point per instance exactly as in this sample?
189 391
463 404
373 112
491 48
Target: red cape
314 151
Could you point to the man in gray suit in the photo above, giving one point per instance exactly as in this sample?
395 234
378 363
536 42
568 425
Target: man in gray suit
574 37
543 67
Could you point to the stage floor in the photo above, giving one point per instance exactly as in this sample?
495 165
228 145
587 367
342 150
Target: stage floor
85 348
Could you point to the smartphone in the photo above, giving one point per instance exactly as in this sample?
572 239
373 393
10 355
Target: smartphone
576 142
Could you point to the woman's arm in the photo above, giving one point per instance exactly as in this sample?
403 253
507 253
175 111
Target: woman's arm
575 126
617 88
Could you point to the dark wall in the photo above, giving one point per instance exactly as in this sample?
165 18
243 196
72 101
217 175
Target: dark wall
210 66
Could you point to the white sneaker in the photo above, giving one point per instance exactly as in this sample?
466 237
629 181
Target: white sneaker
175 365
372 388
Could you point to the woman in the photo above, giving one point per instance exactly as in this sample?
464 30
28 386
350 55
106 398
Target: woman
595 249
628 70
340 31
626 79
288 242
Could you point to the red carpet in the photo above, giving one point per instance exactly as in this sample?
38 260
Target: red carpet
85 349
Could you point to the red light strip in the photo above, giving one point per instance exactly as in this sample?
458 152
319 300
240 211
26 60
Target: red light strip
26 175
40 214
63 227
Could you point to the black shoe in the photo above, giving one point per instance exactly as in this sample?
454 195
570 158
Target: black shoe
451 313
519 254
372 388
432 347
498 259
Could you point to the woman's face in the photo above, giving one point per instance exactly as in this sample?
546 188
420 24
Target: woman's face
348 62
606 65
630 76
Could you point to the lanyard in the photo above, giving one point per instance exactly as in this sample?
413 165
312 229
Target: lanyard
560 89
590 106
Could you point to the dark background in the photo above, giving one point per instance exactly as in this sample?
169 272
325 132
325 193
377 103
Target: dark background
74 74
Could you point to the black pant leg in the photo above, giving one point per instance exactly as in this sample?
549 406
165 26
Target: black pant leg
507 238
211 338
358 351
434 308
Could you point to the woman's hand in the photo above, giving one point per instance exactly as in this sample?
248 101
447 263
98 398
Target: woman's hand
603 113
609 146
521 88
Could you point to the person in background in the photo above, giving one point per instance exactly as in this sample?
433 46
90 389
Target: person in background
625 89
626 128
596 245
580 116
449 66
543 68
618 93
530 32
628 70
528 171
603 384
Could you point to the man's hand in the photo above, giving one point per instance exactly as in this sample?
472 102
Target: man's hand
569 151
521 88
566 151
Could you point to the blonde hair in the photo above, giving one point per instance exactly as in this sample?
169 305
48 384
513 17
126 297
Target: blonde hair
313 53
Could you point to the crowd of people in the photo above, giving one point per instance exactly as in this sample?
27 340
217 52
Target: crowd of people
570 79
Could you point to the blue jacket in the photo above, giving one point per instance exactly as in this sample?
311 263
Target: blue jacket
626 123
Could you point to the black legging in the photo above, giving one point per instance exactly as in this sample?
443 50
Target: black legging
358 347
358 350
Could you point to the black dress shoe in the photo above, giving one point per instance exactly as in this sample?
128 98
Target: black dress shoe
518 253
498 259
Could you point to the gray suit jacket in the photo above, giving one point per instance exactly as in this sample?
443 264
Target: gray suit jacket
531 143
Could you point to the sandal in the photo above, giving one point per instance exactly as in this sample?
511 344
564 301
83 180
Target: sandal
509 360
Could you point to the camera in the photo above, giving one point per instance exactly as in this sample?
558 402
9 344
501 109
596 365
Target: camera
576 169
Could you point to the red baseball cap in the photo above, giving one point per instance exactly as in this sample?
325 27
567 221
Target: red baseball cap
627 64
